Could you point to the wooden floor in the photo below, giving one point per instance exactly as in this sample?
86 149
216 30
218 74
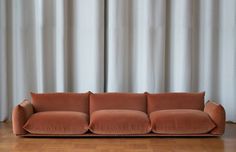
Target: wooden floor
11 143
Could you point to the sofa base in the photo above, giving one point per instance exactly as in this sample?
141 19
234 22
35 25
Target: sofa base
117 135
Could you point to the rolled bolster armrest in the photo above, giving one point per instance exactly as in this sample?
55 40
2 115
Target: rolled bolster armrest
20 115
217 114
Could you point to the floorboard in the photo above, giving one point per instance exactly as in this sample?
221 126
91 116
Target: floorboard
11 143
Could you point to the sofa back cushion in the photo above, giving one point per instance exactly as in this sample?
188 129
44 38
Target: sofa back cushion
166 101
129 101
60 102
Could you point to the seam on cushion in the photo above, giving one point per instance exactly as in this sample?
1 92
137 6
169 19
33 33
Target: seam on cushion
118 130
215 125
89 114
86 129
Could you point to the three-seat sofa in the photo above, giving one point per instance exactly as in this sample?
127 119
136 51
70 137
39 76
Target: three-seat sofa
118 114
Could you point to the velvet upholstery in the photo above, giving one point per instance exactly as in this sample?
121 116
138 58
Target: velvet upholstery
57 122
117 114
165 101
184 121
119 122
60 102
129 101
21 113
217 114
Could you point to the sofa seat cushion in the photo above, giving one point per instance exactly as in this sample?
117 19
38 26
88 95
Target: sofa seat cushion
119 122
57 122
181 121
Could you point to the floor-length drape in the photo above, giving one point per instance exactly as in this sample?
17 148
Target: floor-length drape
48 46
117 45
175 45
136 46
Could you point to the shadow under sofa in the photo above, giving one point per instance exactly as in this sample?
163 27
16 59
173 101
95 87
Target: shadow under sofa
118 114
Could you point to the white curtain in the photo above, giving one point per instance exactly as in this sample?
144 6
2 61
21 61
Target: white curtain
117 45
48 46
175 45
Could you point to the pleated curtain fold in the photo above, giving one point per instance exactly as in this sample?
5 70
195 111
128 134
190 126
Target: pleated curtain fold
117 45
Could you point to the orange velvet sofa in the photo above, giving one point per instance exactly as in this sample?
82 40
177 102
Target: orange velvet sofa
118 114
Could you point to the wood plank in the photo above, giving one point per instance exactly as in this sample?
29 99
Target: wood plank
10 143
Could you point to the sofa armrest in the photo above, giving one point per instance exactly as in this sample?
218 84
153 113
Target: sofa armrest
217 114
20 115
